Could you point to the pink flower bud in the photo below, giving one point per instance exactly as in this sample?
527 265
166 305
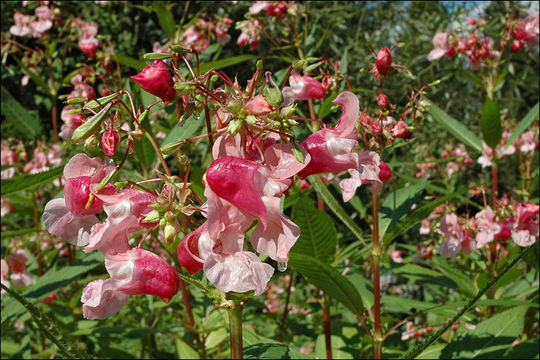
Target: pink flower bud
471 22
365 119
382 101
109 142
454 327
384 171
89 46
258 105
376 128
156 80
383 61
401 131
516 45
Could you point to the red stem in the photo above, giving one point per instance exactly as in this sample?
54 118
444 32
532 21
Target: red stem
327 328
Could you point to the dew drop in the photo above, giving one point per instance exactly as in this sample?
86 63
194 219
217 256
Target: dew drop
282 266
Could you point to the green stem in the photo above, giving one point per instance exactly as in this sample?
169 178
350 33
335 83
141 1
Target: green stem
413 353
235 329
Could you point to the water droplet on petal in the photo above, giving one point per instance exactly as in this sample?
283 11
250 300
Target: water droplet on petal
281 266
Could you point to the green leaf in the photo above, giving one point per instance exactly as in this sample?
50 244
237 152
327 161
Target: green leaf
329 280
144 151
10 234
165 18
396 205
333 204
423 274
340 349
266 351
523 124
49 328
460 131
491 123
476 80
525 350
35 77
432 352
25 121
326 106
131 62
364 287
317 231
184 351
23 182
183 131
51 281
415 217
223 63
461 279
491 338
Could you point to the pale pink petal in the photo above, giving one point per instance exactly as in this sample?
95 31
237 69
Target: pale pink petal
22 278
240 272
99 302
228 145
280 234
61 222
347 122
282 162
436 53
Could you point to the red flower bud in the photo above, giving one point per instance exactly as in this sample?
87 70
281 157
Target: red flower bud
504 234
384 171
365 119
383 61
109 142
454 327
516 45
376 128
382 101
156 80
429 329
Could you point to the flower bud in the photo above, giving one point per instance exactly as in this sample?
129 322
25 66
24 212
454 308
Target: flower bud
376 128
109 142
401 131
156 80
516 45
383 61
384 171
382 101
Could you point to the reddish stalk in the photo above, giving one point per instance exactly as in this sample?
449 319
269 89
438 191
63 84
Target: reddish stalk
286 309
327 327
376 255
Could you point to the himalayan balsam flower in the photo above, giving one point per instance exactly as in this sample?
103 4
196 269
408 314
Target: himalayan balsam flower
156 80
302 88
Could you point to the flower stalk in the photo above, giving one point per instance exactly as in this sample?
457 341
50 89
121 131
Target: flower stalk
235 329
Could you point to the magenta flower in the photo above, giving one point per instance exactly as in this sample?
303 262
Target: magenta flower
524 226
17 263
302 88
332 150
156 80
109 141
134 272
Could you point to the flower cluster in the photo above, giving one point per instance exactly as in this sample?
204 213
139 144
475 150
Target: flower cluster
33 26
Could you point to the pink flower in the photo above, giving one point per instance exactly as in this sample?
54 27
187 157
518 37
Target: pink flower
331 150
258 105
17 263
442 48
524 225
195 39
251 33
395 256
71 122
5 207
257 6
44 23
156 80
5 272
68 217
21 24
487 227
89 46
455 237
400 130
134 272
527 142
81 89
302 88
528 29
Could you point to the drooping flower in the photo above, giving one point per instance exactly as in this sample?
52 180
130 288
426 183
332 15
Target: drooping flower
17 264
455 237
156 80
302 88
442 47
487 227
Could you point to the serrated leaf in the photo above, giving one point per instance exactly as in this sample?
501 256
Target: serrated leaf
266 351
184 351
460 131
131 62
329 280
423 274
317 232
396 205
165 18
223 63
25 121
461 279
35 77
491 338
491 123
183 131
19 183
523 124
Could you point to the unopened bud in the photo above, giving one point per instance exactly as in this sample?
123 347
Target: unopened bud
259 65
234 126
299 64
383 61
179 49
382 101
91 141
152 217
109 142
251 119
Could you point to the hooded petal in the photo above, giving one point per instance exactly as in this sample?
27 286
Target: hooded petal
98 299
